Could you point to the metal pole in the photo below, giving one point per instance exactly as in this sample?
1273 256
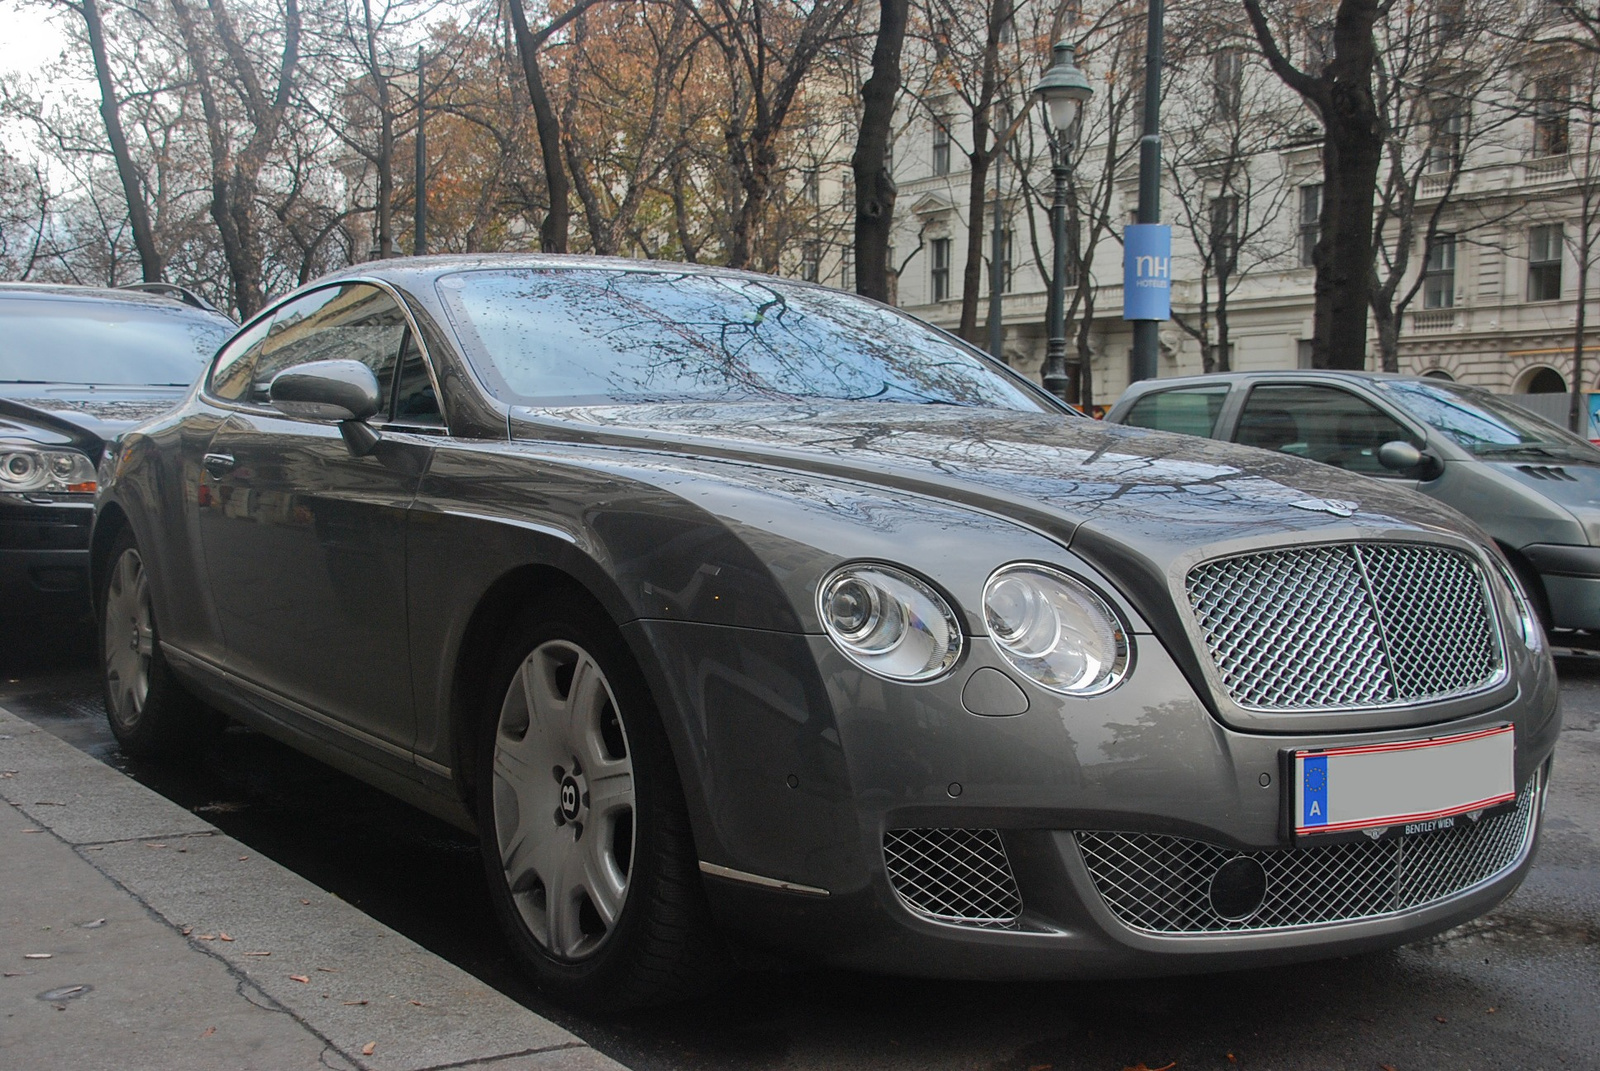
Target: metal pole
420 242
997 277
1146 333
1055 377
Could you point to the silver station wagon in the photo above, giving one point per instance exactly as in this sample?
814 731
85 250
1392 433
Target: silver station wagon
730 611
1533 486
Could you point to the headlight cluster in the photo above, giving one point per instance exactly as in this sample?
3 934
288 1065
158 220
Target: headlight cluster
890 622
28 468
1527 621
1054 629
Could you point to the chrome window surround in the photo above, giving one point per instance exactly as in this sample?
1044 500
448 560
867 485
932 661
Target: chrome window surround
1160 884
1347 626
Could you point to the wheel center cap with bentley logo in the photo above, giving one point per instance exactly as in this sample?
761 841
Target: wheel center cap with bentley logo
1337 507
571 798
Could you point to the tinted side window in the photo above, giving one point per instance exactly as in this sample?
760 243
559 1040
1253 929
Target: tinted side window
1321 423
354 322
1193 412
232 372
415 401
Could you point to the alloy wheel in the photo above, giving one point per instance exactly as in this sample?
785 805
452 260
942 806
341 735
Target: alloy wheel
564 800
129 639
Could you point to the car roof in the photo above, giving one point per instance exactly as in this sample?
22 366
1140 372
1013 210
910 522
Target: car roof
70 292
1323 375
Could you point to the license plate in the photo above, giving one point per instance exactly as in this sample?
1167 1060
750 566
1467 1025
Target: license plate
1412 783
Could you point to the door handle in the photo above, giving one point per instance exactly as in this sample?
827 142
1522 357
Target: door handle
219 465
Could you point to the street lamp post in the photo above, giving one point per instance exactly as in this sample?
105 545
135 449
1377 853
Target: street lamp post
1064 91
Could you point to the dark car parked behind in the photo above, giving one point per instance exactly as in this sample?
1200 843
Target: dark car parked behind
77 366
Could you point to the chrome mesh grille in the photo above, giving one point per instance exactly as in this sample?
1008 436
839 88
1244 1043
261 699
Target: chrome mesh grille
1346 626
1161 884
959 876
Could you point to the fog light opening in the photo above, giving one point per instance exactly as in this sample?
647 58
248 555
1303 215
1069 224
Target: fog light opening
1238 888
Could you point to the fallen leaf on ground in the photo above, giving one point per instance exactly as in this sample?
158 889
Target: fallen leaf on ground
242 858
303 900
300 978
329 970
369 1048
187 930
13 974
205 937
151 844
94 925
33 831
223 937
258 953
1490 1011
1386 1067
353 1003
1141 1067
1232 1059
209 1031
1440 1019
37 955
1043 1067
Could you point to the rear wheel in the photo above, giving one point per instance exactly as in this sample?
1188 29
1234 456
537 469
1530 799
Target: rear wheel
584 834
150 712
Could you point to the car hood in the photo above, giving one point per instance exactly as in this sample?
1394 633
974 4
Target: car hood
1158 494
62 414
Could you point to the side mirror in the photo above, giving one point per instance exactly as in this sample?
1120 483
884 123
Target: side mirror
342 391
1401 456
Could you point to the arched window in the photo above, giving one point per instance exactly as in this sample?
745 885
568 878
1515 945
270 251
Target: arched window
1541 381
1439 373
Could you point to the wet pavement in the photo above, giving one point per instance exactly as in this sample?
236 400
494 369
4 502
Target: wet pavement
1516 989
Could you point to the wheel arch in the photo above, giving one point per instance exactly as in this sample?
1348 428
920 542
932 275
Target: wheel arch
109 522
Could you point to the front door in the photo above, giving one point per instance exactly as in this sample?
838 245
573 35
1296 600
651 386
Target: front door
304 542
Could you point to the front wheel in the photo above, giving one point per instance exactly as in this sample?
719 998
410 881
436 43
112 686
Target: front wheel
150 712
585 837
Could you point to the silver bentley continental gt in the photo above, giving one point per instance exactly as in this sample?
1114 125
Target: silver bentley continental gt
738 613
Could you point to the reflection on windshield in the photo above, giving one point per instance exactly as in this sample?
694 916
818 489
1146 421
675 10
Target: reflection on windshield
1481 422
105 343
582 335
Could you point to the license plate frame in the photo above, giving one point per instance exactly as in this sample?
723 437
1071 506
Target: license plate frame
1398 788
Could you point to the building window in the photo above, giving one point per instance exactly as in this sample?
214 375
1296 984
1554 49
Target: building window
810 260
1444 137
941 145
810 186
1310 222
1544 262
1439 273
1303 353
1224 234
941 269
1006 261
1550 110
847 268
1227 83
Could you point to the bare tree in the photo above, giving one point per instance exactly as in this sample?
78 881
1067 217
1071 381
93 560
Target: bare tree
874 186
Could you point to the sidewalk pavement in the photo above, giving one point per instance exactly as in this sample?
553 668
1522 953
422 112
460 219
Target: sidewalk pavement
135 935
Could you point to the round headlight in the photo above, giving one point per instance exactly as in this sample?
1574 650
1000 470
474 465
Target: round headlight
1056 630
889 622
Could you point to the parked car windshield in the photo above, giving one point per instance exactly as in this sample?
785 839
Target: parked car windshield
1483 423
579 336
105 343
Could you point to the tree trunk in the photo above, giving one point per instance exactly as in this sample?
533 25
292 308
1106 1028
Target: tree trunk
875 189
1222 361
1576 417
144 239
380 83
972 271
557 221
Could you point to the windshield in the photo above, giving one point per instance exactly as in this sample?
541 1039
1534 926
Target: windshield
106 343
581 336
1482 422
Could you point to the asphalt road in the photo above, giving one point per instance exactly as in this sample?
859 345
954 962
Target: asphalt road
1519 988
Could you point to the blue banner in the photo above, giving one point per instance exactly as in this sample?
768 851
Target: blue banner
1314 793
1147 272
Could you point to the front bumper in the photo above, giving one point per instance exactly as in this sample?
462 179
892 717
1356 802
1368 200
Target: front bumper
800 769
44 556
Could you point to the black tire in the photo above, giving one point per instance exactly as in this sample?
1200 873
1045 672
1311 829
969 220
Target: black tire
150 712
659 947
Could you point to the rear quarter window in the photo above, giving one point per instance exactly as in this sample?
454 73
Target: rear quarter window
1191 412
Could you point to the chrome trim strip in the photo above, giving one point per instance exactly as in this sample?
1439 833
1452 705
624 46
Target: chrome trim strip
756 879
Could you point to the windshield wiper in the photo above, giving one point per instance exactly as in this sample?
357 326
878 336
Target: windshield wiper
1495 449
